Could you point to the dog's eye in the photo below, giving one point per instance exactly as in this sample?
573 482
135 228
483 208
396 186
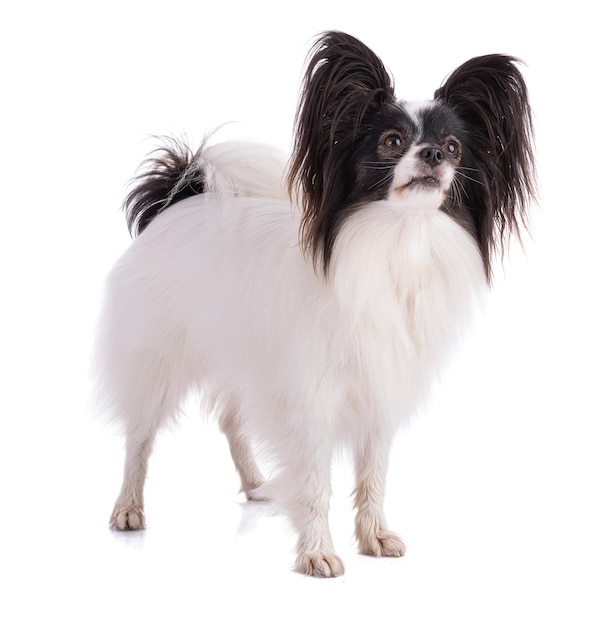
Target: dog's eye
393 141
452 147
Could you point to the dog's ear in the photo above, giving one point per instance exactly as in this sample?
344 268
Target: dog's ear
490 95
344 83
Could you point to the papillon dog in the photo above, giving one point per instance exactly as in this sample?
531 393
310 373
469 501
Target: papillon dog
311 300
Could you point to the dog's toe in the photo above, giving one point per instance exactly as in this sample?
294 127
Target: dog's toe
320 564
128 518
391 545
385 543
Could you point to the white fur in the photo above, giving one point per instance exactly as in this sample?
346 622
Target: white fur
408 168
216 294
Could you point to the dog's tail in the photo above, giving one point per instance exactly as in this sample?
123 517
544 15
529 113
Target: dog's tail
170 173
174 172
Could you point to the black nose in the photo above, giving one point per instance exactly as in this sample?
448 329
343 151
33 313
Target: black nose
432 155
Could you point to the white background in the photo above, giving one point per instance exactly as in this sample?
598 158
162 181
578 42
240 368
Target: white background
496 488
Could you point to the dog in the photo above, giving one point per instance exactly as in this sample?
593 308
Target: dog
311 300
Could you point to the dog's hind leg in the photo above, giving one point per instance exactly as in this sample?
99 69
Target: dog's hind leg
128 513
241 452
149 394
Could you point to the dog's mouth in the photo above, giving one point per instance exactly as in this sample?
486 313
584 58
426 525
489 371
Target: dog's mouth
422 182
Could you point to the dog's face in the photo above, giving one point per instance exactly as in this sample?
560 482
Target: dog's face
412 154
468 152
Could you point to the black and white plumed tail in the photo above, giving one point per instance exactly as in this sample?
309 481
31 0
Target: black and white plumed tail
171 173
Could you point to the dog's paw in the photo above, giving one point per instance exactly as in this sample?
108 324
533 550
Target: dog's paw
128 518
320 564
260 493
384 543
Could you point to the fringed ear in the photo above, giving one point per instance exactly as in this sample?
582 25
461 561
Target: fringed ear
344 83
490 96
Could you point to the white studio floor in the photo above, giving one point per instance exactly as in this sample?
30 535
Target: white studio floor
498 502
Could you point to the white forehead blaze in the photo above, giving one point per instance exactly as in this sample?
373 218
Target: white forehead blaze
414 108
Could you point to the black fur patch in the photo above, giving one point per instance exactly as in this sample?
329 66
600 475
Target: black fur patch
347 108
171 174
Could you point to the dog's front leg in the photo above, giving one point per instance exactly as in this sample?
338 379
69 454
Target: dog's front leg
374 538
307 482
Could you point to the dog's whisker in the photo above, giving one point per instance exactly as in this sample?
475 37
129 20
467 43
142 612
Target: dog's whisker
471 178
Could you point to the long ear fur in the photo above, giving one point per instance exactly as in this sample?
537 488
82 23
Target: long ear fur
490 95
344 83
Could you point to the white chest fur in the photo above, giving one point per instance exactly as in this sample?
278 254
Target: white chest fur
407 283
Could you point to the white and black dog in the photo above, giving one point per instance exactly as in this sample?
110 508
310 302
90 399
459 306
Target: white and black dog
312 301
